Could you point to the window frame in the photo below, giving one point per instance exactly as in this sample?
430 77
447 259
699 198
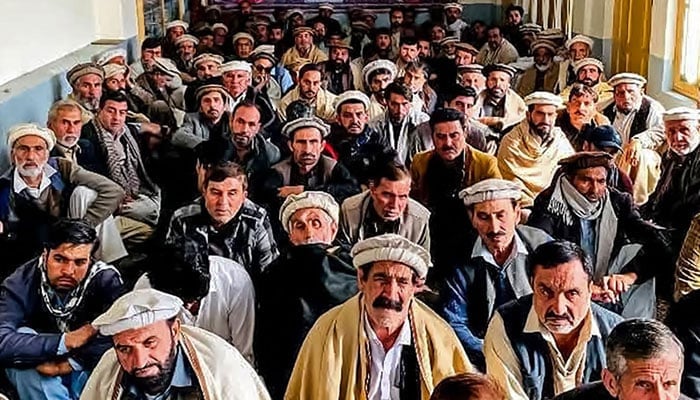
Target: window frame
679 85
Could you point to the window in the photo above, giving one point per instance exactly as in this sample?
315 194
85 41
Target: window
687 58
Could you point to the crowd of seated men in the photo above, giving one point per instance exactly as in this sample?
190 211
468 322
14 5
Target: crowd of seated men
287 207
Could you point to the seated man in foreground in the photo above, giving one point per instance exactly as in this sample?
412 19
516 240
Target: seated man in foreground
367 345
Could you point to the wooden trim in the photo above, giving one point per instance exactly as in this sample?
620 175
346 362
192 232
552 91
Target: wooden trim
679 85
140 21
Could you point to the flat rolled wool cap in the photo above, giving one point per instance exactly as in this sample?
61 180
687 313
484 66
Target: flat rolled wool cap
186 38
172 24
137 309
83 69
108 55
453 5
308 199
112 70
208 57
543 98
243 35
236 65
166 65
391 247
448 40
580 39
682 114
379 64
204 89
627 77
478 68
544 44
26 129
491 189
311 122
587 159
588 61
349 95
499 67
466 47
219 25
604 136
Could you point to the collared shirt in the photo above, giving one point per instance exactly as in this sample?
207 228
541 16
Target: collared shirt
18 184
623 123
182 378
502 286
385 371
504 366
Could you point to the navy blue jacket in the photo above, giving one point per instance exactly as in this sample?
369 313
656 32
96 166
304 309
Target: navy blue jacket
21 306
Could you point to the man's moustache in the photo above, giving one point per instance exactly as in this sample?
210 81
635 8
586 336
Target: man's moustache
553 316
493 235
386 303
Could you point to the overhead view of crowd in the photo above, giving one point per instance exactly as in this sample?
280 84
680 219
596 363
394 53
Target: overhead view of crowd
289 207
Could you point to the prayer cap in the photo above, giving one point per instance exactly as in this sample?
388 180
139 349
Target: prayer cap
114 70
137 309
308 199
360 26
448 40
530 28
25 129
626 77
166 66
326 6
543 98
204 89
105 57
219 25
242 35
177 22
309 122
339 43
207 57
470 68
213 7
354 95
453 5
365 14
264 51
236 65
466 47
587 159
588 61
604 136
391 247
498 67
682 114
544 44
186 38
81 70
301 29
491 189
551 34
579 39
379 64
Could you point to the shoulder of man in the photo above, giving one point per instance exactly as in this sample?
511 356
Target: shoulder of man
252 211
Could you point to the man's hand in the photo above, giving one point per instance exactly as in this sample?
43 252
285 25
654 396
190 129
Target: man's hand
54 368
79 337
602 295
632 152
490 121
285 191
619 283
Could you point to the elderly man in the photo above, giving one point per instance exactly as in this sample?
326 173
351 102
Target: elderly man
232 226
385 208
156 90
237 78
377 76
639 120
551 341
65 119
308 279
39 189
186 46
440 174
590 72
112 150
499 107
495 271
580 115
210 123
243 45
403 127
173 30
310 91
677 197
150 49
341 75
208 68
530 152
217 292
579 207
472 75
46 307
497 50
306 169
303 49
86 82
579 47
357 146
606 139
453 19
542 76
156 356
644 360
378 350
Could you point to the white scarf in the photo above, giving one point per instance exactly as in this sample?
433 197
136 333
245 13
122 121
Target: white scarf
567 202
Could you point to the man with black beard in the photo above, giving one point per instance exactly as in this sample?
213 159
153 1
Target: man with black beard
210 122
377 76
156 356
339 74
308 279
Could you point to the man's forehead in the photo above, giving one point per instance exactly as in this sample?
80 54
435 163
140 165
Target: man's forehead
562 276
30 140
138 335
391 269
308 213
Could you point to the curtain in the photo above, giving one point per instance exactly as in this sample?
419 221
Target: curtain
549 13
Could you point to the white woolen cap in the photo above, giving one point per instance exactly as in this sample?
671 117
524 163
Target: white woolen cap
236 65
543 98
104 58
391 247
379 64
186 38
682 114
172 24
137 309
26 129
308 199
580 39
491 189
354 95
627 77
588 61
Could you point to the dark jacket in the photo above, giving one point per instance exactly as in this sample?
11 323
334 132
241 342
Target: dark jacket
358 153
685 322
21 305
533 352
594 391
295 290
263 155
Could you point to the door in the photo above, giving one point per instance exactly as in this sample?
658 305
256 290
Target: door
631 33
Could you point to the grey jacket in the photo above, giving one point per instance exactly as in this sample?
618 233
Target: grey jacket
414 138
413 226
196 129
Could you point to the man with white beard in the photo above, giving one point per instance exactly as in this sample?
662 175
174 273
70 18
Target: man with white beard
39 189
86 81
543 74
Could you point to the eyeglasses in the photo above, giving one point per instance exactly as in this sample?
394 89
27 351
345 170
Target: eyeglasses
260 68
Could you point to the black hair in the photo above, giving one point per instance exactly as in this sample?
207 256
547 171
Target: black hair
458 91
222 171
423 66
181 269
298 109
113 95
310 67
389 169
204 31
277 25
150 43
214 152
381 31
400 89
246 103
441 115
557 252
408 41
514 7
397 8
72 231
494 26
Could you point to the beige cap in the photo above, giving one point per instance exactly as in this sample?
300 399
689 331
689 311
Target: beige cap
81 70
391 247
27 129
491 189
137 309
308 199
543 98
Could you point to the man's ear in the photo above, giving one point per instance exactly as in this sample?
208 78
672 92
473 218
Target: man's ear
610 382
175 328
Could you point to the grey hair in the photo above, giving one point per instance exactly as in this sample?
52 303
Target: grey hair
61 105
639 339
